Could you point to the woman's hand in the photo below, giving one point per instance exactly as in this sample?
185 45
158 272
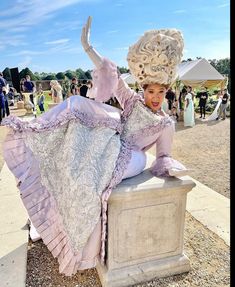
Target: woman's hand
85 37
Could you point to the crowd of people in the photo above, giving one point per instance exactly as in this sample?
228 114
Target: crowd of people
186 103
172 104
4 89
59 92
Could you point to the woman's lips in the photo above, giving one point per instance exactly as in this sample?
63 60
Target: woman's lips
155 104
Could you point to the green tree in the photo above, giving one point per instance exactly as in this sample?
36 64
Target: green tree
123 70
50 77
43 75
25 72
66 87
223 67
60 76
70 74
7 74
80 74
37 75
88 74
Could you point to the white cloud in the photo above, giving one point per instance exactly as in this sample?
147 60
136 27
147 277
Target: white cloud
52 50
28 53
68 25
12 40
56 42
27 13
24 15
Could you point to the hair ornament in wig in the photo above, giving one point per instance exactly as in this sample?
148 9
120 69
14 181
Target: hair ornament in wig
155 56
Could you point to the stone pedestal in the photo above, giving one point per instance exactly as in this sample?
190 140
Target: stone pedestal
52 105
20 105
27 104
146 218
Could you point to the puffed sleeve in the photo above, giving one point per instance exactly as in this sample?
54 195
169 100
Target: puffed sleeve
105 81
108 84
124 94
164 164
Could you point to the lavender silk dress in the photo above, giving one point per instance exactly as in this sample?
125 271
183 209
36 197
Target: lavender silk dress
68 161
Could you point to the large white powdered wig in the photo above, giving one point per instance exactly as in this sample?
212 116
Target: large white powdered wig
155 56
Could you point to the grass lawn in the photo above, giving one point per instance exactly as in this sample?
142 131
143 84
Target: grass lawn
46 102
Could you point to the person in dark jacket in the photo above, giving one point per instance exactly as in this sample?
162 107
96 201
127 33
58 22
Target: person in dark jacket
170 96
203 96
3 88
83 88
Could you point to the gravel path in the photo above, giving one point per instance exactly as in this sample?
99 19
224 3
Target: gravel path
204 148
208 254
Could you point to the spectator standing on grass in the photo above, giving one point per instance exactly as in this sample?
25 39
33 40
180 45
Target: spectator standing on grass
6 105
3 88
22 89
40 98
29 87
83 88
224 105
189 109
89 91
170 96
65 88
74 89
203 97
174 110
56 91
165 106
182 95
11 96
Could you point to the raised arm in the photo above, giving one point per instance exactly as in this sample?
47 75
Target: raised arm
107 77
85 39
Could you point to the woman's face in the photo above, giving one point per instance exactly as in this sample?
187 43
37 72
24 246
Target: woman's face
154 95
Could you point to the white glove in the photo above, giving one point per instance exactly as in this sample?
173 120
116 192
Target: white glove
93 55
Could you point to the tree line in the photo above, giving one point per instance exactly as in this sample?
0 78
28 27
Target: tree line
222 66
69 74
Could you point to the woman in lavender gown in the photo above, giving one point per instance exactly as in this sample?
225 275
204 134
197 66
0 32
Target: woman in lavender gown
68 160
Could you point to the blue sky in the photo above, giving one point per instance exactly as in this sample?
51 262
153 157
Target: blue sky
44 35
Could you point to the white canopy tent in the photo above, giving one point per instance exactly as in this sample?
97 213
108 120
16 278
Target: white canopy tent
200 73
128 78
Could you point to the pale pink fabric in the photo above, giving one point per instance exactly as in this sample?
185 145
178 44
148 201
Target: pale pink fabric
105 81
161 135
40 204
